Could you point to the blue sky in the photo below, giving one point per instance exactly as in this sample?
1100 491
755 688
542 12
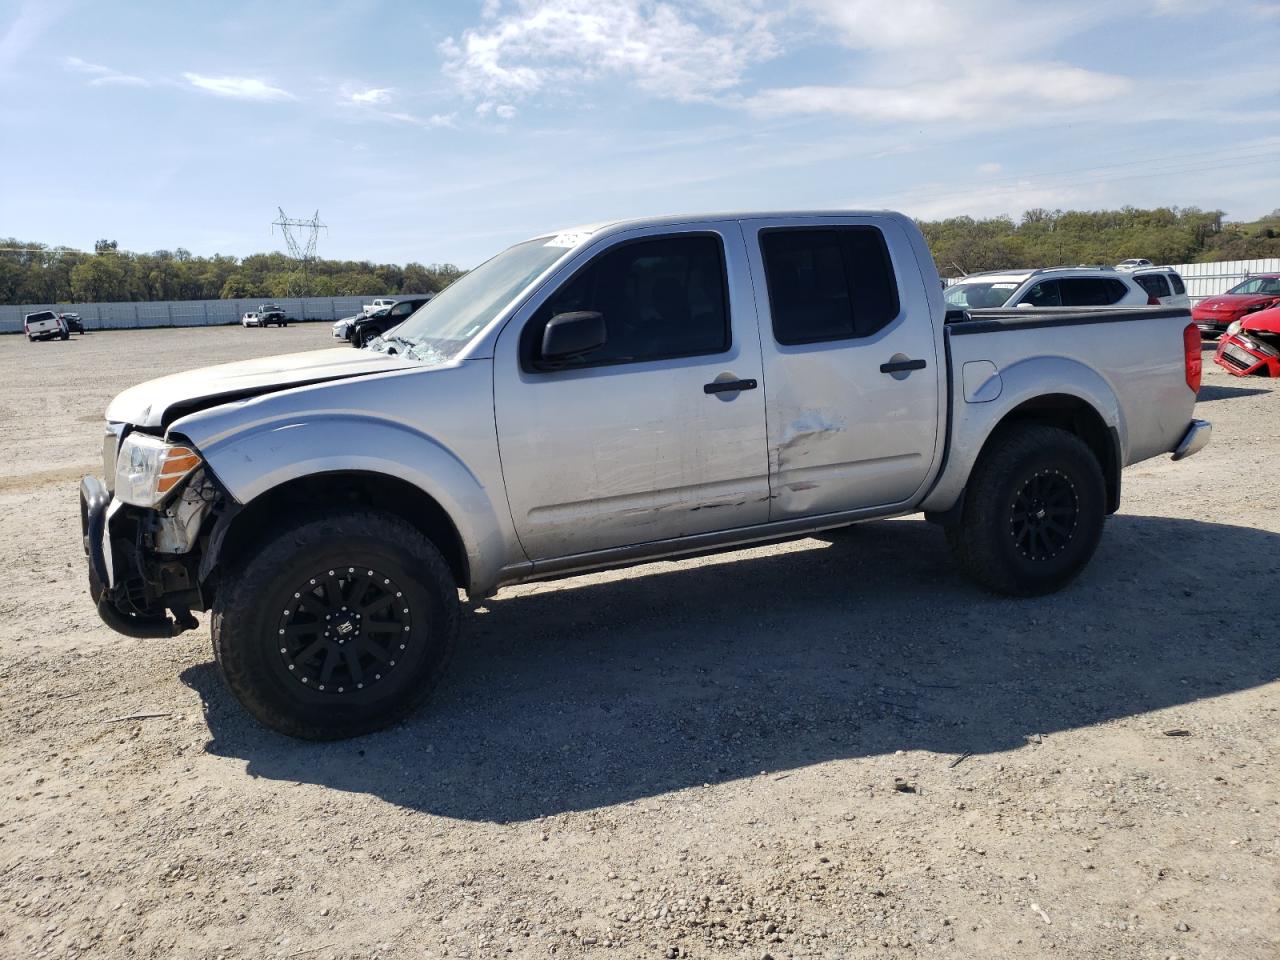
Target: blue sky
444 131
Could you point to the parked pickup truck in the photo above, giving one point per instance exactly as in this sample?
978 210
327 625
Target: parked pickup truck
605 396
45 325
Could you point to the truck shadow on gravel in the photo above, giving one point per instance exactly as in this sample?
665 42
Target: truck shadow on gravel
579 695
1213 392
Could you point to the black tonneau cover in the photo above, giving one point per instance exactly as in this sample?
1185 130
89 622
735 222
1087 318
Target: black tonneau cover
961 322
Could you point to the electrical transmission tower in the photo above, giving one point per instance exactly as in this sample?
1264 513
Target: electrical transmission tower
300 236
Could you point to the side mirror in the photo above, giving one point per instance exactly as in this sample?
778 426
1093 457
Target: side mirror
570 335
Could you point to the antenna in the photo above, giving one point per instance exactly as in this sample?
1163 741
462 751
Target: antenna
301 237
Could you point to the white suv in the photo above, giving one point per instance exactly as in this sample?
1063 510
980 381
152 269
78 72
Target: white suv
1163 283
1052 287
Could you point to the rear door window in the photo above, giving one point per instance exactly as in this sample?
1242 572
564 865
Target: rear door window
827 284
1154 283
1179 287
1091 291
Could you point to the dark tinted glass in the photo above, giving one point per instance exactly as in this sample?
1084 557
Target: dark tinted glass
1178 286
661 298
1043 294
828 284
1090 291
1154 283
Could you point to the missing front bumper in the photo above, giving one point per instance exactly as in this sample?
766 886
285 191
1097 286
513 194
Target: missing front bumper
119 602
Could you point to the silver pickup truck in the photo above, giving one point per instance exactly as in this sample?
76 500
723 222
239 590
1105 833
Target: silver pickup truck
605 396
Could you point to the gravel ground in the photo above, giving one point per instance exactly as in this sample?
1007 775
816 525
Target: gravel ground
832 747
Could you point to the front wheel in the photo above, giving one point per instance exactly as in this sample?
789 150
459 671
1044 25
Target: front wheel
337 626
1033 511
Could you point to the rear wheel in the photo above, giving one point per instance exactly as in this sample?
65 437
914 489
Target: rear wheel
337 626
1033 511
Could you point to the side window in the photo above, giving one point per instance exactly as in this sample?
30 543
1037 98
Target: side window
1179 287
1090 291
828 284
1116 291
400 310
1043 294
661 299
1154 283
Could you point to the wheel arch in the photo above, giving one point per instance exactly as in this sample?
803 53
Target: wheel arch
238 530
1065 410
1076 416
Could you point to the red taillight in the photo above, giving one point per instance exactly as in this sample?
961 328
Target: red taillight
1153 300
1191 356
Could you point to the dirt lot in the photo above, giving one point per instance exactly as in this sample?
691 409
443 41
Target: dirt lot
687 759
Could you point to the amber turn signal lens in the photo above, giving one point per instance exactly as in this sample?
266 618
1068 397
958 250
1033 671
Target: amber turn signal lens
178 462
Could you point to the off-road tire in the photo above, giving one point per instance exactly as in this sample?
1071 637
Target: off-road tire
990 543
247 622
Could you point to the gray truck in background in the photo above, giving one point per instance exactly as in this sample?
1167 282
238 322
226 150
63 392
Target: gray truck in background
603 396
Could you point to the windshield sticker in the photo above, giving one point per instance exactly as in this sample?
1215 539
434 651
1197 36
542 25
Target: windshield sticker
567 240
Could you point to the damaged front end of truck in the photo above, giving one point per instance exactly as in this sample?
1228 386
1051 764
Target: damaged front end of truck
146 536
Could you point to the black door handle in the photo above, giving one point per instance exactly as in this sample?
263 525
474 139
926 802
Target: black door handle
900 366
728 386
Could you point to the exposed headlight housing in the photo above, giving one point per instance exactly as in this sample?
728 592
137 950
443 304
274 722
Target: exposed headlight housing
148 469
1234 327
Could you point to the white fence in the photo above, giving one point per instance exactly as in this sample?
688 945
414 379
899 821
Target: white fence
1210 279
181 313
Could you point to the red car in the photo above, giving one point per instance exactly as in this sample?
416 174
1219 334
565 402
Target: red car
1252 347
1214 314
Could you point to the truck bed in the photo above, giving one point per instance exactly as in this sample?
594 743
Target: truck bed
993 320
1127 363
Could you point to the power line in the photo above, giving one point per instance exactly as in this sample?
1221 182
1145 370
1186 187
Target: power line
301 237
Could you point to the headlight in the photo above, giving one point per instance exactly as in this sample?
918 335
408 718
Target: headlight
1234 327
148 468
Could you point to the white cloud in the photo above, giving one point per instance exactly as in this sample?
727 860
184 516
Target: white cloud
239 88
431 122
989 168
1006 199
34 17
372 95
503 111
978 92
688 53
103 76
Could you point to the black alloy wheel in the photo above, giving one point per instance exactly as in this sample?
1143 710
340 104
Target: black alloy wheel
344 629
1044 515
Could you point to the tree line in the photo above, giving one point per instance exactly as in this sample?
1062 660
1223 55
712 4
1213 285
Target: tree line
36 273
1044 238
